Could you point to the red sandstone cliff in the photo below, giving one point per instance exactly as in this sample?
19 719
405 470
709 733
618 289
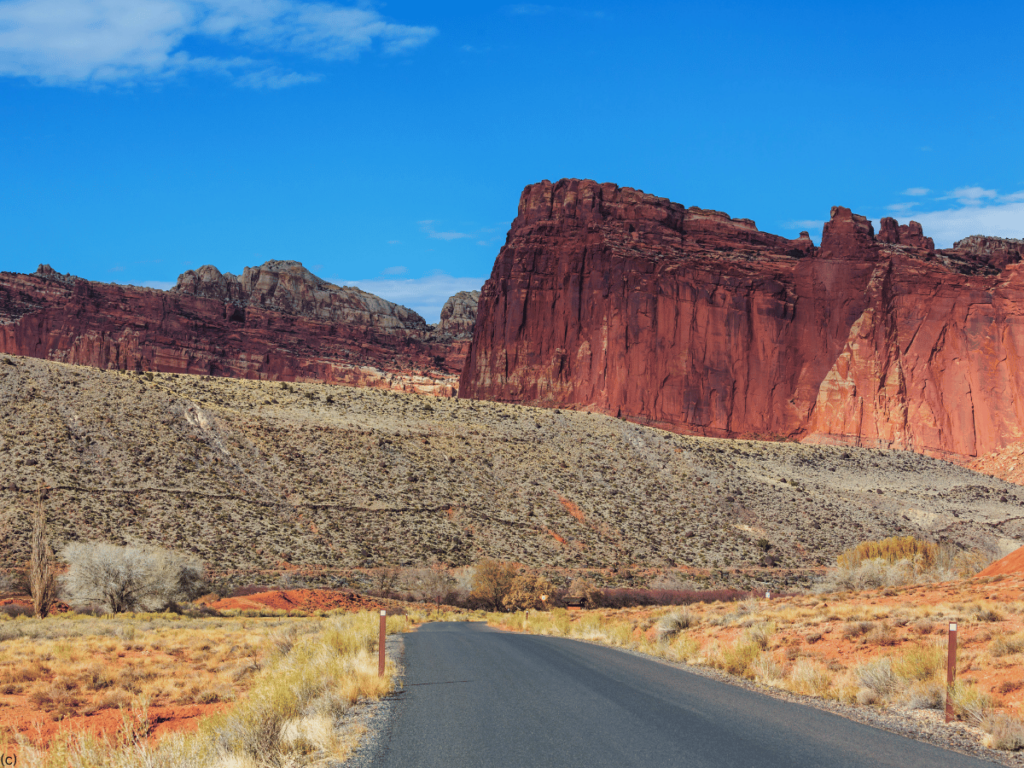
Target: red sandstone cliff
608 299
277 321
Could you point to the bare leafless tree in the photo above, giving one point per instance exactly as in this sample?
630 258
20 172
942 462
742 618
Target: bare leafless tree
433 583
42 567
132 578
385 580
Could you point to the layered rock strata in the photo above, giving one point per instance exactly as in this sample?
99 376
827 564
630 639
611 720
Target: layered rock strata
608 299
458 315
277 321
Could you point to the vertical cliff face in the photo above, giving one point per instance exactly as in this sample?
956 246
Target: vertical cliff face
608 299
276 321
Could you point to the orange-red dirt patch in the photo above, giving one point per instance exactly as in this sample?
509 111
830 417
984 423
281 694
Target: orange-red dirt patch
1012 563
26 602
40 728
305 600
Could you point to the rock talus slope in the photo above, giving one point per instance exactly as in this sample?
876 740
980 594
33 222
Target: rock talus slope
608 299
256 476
277 321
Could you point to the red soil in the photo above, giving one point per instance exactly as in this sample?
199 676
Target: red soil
40 728
57 607
307 600
824 640
1012 563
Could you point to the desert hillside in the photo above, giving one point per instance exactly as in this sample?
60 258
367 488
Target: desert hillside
268 475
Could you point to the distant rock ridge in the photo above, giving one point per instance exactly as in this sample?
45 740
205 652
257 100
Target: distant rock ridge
605 298
287 286
277 321
458 315
891 231
997 252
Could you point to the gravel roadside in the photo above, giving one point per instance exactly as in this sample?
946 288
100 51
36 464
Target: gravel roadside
922 725
375 716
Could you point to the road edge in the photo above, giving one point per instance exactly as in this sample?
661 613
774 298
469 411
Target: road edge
955 737
377 717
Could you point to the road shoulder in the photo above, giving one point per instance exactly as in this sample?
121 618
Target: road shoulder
377 717
921 725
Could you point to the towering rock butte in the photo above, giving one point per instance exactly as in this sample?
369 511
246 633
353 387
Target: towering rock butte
276 321
608 299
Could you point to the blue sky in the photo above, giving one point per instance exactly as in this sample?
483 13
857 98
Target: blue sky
386 144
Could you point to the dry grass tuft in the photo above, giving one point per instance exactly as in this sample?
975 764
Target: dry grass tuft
1003 732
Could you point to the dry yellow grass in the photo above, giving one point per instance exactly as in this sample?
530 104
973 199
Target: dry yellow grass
287 680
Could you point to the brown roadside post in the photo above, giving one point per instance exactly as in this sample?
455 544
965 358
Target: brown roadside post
380 644
950 671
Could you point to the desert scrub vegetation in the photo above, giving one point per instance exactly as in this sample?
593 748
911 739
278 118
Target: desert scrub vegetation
99 663
279 689
130 578
883 648
249 475
899 561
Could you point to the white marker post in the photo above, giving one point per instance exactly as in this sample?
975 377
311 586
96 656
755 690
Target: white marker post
380 643
950 671
767 595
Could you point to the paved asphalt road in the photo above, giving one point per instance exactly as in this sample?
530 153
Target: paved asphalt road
479 697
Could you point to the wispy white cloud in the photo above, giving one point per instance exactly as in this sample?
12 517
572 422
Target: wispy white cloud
916 191
976 211
811 226
427 225
394 271
529 9
948 226
98 42
537 9
969 195
425 295
274 79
